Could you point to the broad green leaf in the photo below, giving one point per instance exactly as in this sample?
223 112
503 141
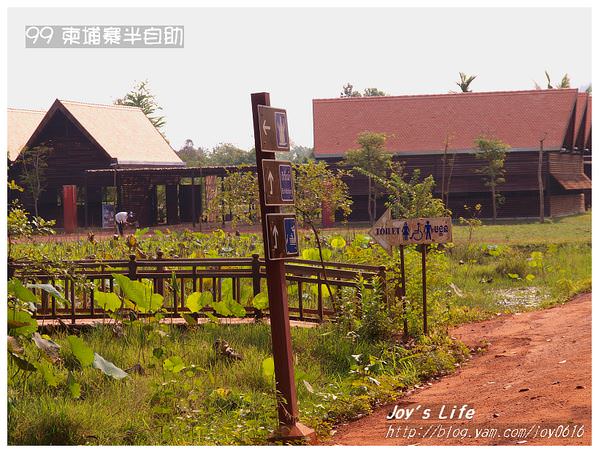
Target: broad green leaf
338 242
268 368
140 294
81 351
246 295
174 364
15 288
190 320
21 323
530 277
74 387
107 367
212 318
221 308
260 301
236 309
47 371
513 276
107 301
198 300
52 291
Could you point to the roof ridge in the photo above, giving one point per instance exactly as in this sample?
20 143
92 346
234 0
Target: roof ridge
108 106
437 95
16 109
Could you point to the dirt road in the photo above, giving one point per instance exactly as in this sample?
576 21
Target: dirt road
531 387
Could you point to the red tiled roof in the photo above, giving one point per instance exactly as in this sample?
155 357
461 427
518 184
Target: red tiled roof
420 124
579 125
587 141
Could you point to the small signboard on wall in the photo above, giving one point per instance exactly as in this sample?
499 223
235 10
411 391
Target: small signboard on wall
107 215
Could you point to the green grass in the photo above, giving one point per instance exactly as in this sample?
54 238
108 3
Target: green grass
569 229
509 267
213 401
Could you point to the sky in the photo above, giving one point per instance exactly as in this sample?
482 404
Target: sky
297 55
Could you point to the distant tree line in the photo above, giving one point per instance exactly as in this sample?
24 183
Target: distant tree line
228 154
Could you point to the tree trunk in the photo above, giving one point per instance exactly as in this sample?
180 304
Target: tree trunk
540 180
370 201
494 203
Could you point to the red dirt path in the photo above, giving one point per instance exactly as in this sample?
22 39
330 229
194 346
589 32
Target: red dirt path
536 372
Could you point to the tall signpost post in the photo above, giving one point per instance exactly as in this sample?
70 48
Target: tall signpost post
279 232
401 232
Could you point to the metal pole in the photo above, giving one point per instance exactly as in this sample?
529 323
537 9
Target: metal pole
403 290
424 314
287 408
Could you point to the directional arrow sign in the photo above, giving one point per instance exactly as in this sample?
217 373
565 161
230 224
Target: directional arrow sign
424 230
282 236
278 181
274 133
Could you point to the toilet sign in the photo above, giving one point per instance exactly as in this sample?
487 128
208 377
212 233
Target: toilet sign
425 230
278 181
282 236
274 132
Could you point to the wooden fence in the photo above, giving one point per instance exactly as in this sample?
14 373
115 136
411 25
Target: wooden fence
175 279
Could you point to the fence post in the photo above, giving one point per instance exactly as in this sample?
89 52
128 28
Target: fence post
320 301
132 267
159 268
256 280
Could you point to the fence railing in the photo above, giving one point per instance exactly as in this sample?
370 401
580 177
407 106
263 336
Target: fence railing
176 278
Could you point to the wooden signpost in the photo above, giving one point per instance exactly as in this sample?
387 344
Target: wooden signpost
401 232
279 232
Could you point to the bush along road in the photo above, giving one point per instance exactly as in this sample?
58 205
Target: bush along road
529 383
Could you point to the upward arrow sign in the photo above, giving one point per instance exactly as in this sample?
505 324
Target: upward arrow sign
271 178
275 235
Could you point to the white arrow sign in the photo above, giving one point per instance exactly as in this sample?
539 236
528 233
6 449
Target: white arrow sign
265 127
275 234
271 178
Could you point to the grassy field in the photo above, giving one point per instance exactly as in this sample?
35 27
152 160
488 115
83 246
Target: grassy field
212 400
189 394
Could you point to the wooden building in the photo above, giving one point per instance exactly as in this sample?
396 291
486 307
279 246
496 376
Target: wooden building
418 127
82 137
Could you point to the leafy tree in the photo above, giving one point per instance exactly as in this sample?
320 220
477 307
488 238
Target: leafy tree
238 196
368 92
493 152
193 157
19 223
300 154
141 96
229 154
349 92
589 89
565 82
34 162
465 81
373 159
409 197
316 184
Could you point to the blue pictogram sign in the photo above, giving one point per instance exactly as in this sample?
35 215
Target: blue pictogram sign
286 182
290 235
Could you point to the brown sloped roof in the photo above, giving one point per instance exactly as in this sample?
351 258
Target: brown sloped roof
587 141
125 133
574 181
21 124
420 124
